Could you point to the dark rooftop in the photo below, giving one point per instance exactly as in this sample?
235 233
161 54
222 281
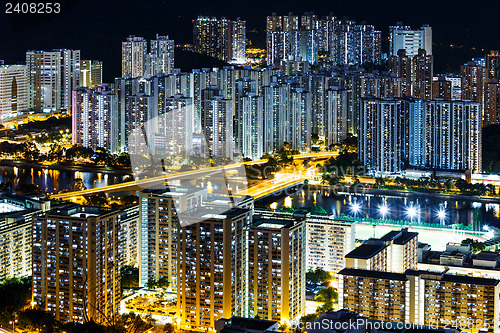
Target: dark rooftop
271 223
239 324
454 278
487 255
399 237
373 274
365 251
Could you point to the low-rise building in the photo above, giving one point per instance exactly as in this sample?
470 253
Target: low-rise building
486 259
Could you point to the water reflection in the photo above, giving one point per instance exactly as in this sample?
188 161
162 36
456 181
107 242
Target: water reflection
415 207
53 181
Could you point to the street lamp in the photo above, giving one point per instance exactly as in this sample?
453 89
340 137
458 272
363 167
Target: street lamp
355 208
441 214
13 322
383 210
412 212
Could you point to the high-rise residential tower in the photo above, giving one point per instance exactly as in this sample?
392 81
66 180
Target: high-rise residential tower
220 38
91 73
405 38
422 74
52 75
276 267
93 118
160 60
134 55
438 134
472 81
76 263
210 267
13 91
158 231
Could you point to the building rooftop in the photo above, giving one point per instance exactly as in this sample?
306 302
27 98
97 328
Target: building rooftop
399 237
373 274
453 278
356 322
365 251
208 212
271 223
75 210
487 256
174 190
251 323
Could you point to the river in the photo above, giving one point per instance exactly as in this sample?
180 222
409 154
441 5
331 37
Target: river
414 207
54 180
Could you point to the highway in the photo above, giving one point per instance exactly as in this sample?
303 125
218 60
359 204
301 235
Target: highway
269 186
204 172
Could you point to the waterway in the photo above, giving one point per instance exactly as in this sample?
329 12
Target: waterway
413 207
417 208
52 180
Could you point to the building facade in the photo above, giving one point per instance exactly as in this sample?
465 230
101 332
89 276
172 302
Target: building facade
220 38
13 91
421 297
158 231
138 62
93 121
209 267
91 73
405 38
438 134
76 263
52 76
276 264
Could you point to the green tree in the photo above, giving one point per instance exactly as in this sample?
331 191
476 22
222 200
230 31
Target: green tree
318 210
129 200
99 200
15 293
87 327
491 149
37 319
79 185
129 277
318 276
160 283
314 138
476 246
28 189
309 318
328 294
168 328
379 182
123 160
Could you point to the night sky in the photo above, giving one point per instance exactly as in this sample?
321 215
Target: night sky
98 27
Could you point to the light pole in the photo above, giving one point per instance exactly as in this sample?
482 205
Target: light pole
13 322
